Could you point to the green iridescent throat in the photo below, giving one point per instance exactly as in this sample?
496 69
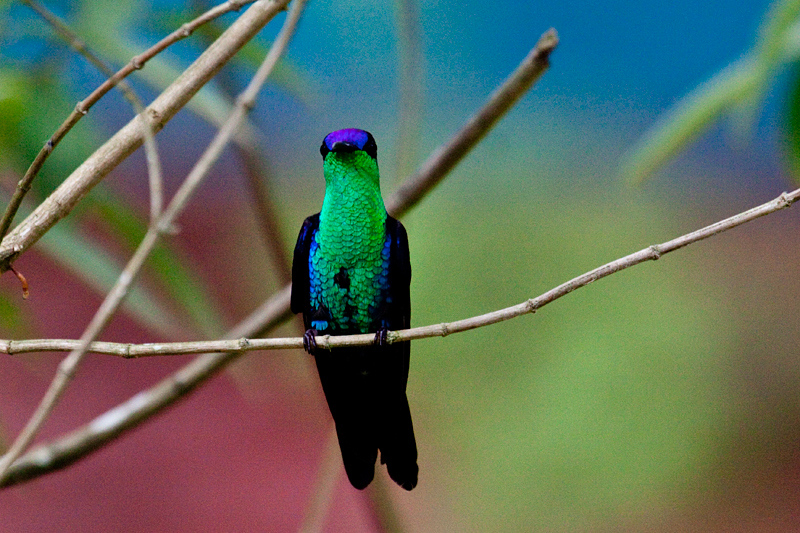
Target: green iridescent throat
351 236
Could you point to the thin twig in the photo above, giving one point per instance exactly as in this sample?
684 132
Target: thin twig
83 107
81 442
327 342
151 152
22 281
274 311
258 176
68 366
77 444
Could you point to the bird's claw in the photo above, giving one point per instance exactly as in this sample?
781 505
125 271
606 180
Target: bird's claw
381 337
310 341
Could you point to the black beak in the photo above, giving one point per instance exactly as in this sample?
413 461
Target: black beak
343 146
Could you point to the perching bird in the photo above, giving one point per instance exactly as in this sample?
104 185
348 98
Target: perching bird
351 274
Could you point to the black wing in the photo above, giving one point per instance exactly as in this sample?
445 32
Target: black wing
399 275
300 277
395 429
398 313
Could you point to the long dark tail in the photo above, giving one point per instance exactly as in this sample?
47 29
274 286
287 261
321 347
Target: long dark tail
365 390
396 442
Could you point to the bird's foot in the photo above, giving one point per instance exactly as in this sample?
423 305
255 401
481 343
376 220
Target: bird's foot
310 341
381 337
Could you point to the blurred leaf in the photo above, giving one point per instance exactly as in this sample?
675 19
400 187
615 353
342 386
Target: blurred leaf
737 90
113 41
45 105
3 437
13 322
13 89
209 103
777 24
689 118
773 48
286 74
88 261
27 105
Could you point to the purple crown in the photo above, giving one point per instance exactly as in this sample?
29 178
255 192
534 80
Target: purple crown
349 135
349 140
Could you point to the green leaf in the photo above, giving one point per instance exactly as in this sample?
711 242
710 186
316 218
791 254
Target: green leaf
32 105
45 105
286 74
777 24
13 89
114 42
89 262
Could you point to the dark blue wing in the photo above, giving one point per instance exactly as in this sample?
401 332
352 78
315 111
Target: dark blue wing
399 275
395 429
300 278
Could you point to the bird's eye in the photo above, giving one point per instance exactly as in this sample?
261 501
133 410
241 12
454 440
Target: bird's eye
371 147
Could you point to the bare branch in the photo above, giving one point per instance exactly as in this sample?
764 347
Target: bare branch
327 342
68 366
83 107
130 137
151 152
275 310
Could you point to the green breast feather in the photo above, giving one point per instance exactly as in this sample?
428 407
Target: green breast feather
348 259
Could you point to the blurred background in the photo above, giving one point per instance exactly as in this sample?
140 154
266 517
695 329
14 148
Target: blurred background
662 398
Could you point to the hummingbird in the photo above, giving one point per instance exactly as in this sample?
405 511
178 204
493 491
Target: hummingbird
351 274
